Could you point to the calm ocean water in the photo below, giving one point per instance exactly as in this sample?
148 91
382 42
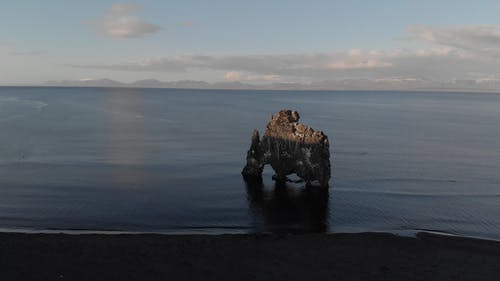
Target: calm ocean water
166 160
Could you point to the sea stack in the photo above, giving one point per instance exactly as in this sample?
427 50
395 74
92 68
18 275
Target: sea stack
289 147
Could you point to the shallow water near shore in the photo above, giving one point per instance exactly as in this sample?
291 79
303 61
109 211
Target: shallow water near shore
164 160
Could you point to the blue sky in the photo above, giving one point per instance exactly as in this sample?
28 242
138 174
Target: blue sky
250 41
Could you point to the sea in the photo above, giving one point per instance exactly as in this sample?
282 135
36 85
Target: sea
170 161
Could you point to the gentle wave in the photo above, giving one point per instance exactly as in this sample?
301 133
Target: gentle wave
414 193
23 102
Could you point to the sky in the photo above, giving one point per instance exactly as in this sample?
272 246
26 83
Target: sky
249 41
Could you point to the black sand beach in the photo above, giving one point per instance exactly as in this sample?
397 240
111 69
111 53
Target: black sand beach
366 256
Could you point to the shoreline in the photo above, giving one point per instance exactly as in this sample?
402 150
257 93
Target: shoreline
361 256
410 233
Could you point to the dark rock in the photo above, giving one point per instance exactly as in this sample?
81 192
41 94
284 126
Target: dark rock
289 147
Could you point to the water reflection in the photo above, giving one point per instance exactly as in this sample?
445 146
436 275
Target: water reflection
125 136
288 209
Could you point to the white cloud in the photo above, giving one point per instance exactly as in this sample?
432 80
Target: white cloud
120 22
476 39
26 53
357 59
271 77
234 76
283 65
373 64
188 23
455 53
446 51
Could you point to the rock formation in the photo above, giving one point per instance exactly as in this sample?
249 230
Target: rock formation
289 147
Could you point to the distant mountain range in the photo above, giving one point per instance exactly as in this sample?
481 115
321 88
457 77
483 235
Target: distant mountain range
343 84
149 83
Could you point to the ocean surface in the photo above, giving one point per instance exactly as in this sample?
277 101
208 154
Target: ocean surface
169 161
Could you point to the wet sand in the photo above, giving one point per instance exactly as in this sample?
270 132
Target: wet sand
366 256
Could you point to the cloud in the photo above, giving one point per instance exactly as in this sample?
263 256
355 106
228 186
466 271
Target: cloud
357 59
234 76
475 39
187 23
120 22
442 62
455 53
165 64
271 77
281 64
26 53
